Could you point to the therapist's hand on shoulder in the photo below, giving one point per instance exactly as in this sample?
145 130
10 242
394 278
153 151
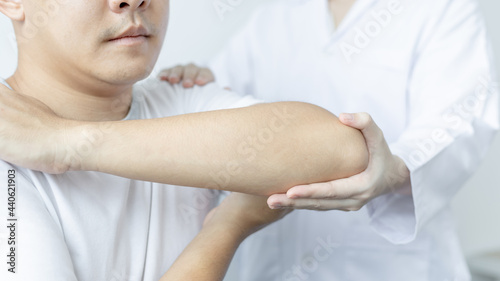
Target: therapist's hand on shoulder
385 173
190 75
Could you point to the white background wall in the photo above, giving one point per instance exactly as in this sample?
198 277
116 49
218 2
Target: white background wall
196 33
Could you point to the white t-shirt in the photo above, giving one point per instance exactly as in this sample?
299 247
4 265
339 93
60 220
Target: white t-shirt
93 226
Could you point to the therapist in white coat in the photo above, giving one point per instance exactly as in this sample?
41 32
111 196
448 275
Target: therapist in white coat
423 71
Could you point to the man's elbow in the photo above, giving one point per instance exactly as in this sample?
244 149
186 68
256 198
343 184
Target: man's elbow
342 146
356 155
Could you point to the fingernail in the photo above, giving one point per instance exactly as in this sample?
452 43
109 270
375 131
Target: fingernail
276 206
347 117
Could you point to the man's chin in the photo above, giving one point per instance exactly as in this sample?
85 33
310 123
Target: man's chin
130 77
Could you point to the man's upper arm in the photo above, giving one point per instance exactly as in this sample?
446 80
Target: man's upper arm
32 244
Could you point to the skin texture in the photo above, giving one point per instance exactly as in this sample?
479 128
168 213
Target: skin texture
385 172
96 84
290 143
72 70
89 86
222 231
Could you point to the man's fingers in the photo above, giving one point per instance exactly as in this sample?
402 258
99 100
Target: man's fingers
189 75
338 189
281 201
363 122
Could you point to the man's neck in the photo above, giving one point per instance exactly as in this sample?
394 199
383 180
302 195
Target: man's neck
73 100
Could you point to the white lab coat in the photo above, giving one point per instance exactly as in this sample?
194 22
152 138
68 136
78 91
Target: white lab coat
423 70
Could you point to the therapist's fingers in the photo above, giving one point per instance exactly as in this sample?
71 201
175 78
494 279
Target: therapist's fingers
204 77
364 122
164 74
172 75
189 75
338 189
281 201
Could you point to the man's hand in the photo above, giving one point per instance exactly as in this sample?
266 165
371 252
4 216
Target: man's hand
244 213
190 75
31 134
385 173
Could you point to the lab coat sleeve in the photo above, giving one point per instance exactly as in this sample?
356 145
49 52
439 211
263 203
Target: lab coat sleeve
452 119
40 250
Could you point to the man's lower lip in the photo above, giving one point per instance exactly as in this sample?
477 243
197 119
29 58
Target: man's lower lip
128 41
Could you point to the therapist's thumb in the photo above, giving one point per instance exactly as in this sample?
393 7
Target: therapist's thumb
363 122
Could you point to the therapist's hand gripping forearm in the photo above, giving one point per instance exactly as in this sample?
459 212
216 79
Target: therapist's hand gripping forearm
385 173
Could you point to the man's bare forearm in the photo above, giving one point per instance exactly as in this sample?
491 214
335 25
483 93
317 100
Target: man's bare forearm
207 257
263 149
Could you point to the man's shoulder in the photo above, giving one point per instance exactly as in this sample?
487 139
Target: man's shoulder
162 99
157 98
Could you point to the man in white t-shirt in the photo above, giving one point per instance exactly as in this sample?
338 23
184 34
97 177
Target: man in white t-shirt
83 64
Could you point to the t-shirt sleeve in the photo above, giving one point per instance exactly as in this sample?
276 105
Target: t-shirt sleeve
213 97
443 144
32 245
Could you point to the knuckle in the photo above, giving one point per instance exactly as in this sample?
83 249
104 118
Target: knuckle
191 67
290 203
365 117
205 72
354 208
379 134
364 198
330 194
317 205
330 191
